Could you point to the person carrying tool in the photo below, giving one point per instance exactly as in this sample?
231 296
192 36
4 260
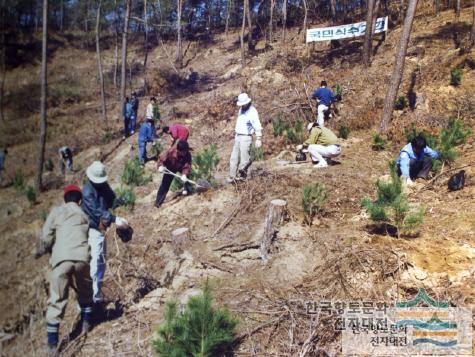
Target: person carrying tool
128 113
175 160
98 198
65 159
325 98
146 135
247 124
321 144
415 160
177 132
65 235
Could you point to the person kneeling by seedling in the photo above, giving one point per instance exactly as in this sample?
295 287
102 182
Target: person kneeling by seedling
322 144
175 160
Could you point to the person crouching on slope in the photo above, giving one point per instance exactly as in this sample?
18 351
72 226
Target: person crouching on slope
66 230
175 160
322 144
247 124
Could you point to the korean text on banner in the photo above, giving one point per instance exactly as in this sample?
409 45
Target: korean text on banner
345 31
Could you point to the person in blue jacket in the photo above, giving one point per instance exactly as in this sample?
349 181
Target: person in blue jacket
128 113
147 134
415 160
325 98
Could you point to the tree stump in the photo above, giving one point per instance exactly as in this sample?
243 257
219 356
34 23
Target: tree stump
180 238
274 217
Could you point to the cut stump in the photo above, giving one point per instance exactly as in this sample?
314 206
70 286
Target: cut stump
181 237
275 216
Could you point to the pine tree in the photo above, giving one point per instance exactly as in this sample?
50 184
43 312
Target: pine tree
200 330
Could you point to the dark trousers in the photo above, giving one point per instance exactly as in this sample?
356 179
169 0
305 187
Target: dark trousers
418 169
165 186
126 126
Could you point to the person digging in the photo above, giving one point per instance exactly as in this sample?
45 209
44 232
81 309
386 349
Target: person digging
415 160
177 132
65 234
175 160
247 124
98 199
322 144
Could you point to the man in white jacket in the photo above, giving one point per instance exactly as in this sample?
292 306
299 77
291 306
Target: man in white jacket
247 124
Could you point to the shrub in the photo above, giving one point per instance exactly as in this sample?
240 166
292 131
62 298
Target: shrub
338 90
30 195
391 205
456 77
125 197
279 125
157 148
205 162
401 103
257 154
314 197
49 165
156 112
106 139
134 174
378 142
454 134
296 135
431 140
343 132
200 330
19 181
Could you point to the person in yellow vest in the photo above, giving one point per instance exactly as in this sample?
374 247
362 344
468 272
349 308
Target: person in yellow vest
322 144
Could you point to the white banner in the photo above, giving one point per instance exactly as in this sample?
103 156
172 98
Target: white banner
345 31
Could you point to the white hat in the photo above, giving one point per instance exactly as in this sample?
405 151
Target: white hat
96 172
243 99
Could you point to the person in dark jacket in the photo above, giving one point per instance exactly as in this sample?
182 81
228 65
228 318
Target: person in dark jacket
176 160
128 113
65 159
134 101
98 198
147 134
325 98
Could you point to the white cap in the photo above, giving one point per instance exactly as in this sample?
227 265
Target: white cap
243 99
96 172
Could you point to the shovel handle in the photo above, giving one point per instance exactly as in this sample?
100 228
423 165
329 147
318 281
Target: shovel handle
178 176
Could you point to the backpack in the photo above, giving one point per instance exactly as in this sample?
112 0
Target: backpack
457 181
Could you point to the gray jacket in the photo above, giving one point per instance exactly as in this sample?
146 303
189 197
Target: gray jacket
96 202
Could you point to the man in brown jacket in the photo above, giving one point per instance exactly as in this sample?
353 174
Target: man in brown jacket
66 230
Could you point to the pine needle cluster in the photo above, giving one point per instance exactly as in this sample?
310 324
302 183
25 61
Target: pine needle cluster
391 205
314 197
200 330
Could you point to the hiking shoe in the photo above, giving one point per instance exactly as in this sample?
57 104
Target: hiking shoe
157 205
321 164
184 193
86 326
132 132
51 350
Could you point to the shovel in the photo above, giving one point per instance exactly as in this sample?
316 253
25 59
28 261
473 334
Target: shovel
201 186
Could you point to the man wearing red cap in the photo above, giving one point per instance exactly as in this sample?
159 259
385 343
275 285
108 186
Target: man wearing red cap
65 231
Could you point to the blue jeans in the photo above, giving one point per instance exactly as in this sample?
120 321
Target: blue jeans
142 152
132 123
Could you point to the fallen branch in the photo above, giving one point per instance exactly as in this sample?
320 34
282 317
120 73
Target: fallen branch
436 177
243 336
237 247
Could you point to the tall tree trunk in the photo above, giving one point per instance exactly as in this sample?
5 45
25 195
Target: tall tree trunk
271 20
284 18
398 66
145 24
250 41
44 87
116 50
99 63
401 11
228 14
179 57
457 10
333 9
86 18
124 55
436 6
61 16
368 38
4 70
305 9
472 32
243 26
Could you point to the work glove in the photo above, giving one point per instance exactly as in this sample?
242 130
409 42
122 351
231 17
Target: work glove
121 222
299 147
258 143
310 126
408 182
184 179
161 169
